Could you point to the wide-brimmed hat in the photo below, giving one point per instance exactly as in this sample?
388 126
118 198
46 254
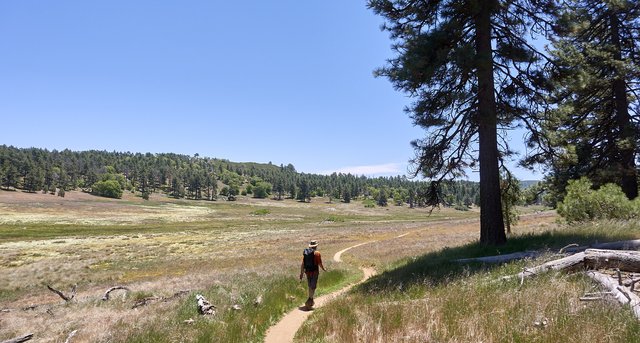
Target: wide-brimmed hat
313 244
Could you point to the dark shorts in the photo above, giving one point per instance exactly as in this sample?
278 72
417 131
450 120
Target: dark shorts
312 281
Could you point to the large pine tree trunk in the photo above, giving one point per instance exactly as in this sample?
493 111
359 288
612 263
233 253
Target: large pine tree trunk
491 220
628 178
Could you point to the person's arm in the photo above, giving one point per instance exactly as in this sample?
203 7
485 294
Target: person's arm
319 262
302 269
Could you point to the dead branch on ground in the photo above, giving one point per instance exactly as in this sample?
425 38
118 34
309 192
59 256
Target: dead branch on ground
591 259
152 299
19 339
73 333
106 294
62 295
145 301
622 294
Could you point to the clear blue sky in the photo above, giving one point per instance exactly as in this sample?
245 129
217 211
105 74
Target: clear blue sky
251 81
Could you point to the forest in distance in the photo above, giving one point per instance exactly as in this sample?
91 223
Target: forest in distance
203 178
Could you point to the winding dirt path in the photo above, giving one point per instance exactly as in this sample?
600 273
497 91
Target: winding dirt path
286 328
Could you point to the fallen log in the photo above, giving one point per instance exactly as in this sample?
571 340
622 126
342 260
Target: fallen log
572 262
501 258
619 245
19 339
106 294
570 249
625 260
622 294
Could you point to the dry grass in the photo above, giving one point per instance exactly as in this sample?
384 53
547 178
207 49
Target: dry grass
164 246
545 310
431 299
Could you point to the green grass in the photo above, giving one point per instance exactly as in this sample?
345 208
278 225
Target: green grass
432 298
369 203
279 295
261 212
335 219
228 217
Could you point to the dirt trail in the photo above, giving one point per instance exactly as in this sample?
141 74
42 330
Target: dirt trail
286 328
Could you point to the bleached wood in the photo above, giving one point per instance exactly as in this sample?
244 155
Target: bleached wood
566 263
625 260
619 245
105 297
204 306
622 294
569 249
19 339
73 333
501 258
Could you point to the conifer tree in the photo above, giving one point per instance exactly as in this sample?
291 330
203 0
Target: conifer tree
468 66
594 129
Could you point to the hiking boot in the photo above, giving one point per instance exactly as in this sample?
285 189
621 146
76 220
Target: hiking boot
309 303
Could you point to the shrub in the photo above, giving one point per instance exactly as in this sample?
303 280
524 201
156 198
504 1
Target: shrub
461 207
108 188
369 203
262 190
224 191
335 219
582 203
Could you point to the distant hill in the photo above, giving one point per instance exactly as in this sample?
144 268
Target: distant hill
203 178
528 183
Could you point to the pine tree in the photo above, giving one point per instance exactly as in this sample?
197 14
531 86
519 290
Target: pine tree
593 131
382 198
346 196
468 66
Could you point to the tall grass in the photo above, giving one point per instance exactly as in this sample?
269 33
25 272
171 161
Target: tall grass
432 299
248 324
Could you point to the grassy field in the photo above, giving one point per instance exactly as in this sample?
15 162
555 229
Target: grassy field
166 251
429 298
231 252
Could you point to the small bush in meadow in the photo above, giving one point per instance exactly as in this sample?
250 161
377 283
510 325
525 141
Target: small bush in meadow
461 207
261 212
108 188
369 203
335 219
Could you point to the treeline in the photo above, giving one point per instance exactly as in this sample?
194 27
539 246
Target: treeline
202 178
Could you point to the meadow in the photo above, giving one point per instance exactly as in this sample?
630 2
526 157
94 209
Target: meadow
232 252
244 257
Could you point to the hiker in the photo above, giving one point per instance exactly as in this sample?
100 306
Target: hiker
311 264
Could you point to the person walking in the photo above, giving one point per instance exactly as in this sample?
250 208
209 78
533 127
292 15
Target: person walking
311 264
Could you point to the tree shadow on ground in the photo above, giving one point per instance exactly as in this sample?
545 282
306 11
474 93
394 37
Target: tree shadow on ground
439 267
